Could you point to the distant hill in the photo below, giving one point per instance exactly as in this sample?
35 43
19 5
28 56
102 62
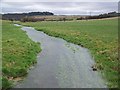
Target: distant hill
19 16
48 16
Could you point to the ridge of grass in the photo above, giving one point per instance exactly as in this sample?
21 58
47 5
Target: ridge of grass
99 36
18 54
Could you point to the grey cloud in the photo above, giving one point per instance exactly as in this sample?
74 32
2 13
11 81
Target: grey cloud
60 7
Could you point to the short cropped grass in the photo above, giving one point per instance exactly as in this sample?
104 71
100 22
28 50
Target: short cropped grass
99 36
18 53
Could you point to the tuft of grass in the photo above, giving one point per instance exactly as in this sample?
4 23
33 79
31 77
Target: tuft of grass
18 53
6 84
99 36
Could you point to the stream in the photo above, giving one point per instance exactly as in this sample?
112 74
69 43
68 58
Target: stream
60 65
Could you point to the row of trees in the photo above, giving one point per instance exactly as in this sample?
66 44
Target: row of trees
106 15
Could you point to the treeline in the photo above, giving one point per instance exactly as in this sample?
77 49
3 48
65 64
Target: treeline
106 15
19 16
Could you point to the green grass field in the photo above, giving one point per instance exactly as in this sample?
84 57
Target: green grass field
99 36
18 54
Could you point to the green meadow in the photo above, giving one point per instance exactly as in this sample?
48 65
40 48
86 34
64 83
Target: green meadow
18 54
99 36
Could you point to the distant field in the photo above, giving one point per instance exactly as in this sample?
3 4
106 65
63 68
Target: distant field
18 54
99 36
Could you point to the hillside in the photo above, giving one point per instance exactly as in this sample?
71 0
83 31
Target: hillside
19 16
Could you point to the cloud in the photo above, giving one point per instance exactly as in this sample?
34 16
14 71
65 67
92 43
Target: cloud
62 8
60 1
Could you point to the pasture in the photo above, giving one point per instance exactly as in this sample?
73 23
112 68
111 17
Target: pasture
18 54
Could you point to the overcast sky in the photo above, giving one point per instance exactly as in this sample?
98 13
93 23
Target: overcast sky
59 8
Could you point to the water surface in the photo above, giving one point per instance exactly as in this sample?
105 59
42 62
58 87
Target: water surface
60 65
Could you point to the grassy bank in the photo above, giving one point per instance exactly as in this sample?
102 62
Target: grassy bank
18 54
99 36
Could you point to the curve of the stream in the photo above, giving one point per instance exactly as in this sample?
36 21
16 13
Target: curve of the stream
60 65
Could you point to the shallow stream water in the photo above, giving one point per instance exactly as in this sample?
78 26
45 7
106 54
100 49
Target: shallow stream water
60 65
